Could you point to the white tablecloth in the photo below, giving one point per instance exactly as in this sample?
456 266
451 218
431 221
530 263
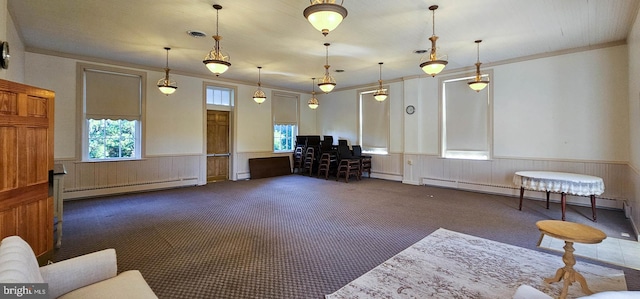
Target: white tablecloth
560 182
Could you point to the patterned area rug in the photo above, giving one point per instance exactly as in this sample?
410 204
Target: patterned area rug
447 264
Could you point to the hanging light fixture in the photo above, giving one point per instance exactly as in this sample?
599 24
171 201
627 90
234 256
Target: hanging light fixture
478 84
433 66
167 85
381 94
217 61
313 102
325 15
327 83
259 96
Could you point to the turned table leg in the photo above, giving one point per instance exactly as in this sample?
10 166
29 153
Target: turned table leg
563 203
521 196
548 199
568 273
593 207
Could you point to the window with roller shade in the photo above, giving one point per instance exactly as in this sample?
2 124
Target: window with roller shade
374 124
284 109
466 120
112 113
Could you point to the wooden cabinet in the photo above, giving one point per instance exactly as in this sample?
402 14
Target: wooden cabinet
26 164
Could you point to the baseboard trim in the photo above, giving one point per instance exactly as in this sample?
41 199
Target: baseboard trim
73 195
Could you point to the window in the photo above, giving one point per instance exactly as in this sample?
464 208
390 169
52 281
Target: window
221 96
111 139
466 120
374 124
284 137
284 109
112 113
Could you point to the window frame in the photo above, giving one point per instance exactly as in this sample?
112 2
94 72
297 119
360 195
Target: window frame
82 128
292 138
221 107
481 155
275 122
387 121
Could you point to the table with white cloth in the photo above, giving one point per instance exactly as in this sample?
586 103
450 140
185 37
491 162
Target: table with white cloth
560 182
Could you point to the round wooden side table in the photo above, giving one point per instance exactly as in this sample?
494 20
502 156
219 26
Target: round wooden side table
570 232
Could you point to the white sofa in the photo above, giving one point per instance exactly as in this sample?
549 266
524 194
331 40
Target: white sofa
89 276
528 292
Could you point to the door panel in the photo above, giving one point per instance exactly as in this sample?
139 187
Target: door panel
217 145
26 158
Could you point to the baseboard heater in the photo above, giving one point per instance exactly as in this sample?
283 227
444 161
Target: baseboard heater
78 193
513 191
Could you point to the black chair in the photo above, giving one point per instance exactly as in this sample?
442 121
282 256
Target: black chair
365 161
298 159
308 161
348 164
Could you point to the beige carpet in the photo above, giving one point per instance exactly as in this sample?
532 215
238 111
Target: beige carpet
447 264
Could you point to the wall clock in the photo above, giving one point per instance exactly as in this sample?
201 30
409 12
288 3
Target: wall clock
410 109
4 63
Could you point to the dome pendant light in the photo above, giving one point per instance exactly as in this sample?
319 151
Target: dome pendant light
433 66
166 85
381 94
259 96
325 15
327 83
217 61
313 102
478 84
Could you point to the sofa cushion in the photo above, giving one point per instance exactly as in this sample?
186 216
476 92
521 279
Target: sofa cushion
18 263
614 295
129 284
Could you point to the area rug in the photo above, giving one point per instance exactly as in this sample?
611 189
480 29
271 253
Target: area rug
448 264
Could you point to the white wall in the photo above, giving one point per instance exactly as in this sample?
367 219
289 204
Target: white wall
633 41
570 106
174 130
9 33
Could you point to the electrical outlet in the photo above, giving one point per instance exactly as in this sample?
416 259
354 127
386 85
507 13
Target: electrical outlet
410 162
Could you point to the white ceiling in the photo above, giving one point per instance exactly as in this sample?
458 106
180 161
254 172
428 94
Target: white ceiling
275 35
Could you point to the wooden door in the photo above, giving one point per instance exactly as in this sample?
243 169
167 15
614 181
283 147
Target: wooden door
217 145
26 165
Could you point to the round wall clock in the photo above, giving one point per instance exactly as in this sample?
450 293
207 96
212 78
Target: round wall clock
410 109
4 63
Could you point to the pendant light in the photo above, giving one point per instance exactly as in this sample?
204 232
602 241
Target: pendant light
325 15
433 66
478 84
381 94
217 61
327 83
313 102
167 85
259 96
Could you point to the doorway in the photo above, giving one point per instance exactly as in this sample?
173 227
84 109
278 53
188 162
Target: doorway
217 145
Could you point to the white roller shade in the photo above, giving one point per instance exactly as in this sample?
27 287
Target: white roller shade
375 123
467 117
112 96
285 109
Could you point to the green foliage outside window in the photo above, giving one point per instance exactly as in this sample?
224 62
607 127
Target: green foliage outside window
283 137
111 139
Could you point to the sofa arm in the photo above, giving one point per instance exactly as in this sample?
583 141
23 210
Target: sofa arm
68 275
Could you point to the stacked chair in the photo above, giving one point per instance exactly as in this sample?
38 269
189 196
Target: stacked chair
298 159
323 158
365 161
348 164
309 159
